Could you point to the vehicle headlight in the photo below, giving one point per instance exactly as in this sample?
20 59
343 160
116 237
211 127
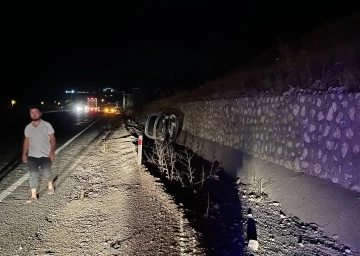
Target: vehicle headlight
78 108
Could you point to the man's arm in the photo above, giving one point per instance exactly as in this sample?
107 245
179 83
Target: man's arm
25 149
53 145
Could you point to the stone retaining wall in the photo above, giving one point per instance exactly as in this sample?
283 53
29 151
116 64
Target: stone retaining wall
317 134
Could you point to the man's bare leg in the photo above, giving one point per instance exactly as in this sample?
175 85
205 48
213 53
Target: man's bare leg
33 178
33 193
33 196
50 188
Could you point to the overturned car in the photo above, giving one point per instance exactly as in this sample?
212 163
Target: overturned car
162 126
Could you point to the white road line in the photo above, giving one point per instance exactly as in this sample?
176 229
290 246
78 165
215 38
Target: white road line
14 186
21 180
53 111
73 138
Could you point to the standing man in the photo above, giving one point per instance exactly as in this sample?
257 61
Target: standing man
39 151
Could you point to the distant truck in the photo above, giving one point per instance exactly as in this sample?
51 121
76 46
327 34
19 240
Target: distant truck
88 106
92 105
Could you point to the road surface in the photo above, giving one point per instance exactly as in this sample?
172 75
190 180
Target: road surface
65 123
105 204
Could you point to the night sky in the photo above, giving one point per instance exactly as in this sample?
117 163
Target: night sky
72 47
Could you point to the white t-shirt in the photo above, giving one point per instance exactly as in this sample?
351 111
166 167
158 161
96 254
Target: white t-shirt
39 139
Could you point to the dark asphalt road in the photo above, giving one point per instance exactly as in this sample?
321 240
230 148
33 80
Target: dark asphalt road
66 125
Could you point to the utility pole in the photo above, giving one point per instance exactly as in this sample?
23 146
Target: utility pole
123 100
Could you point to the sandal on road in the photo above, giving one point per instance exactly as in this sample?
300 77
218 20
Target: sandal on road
31 200
51 191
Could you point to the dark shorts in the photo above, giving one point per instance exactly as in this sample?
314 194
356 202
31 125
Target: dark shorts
45 167
43 162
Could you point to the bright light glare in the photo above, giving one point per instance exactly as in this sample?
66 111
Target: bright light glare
78 108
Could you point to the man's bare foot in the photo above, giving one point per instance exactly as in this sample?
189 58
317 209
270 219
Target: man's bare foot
31 200
51 191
